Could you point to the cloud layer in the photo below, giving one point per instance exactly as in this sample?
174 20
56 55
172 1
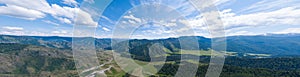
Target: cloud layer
248 20
32 10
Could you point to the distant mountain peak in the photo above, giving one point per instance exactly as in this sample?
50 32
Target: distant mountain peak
282 35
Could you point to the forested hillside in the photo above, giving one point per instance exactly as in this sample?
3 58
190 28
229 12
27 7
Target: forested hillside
248 56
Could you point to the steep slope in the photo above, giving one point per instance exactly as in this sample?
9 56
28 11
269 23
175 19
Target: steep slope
19 59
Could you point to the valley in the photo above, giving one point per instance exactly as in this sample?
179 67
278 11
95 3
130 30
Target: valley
52 56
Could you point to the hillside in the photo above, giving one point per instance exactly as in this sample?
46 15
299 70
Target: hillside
276 45
19 59
52 56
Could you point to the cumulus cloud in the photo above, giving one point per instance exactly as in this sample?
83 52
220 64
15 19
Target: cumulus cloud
40 5
264 13
21 12
196 22
85 19
63 20
284 16
232 21
32 10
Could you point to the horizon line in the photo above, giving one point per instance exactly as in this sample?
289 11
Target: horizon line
140 38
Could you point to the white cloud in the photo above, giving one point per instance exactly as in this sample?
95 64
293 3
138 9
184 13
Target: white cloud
20 12
270 5
284 16
263 16
70 2
169 24
50 22
234 22
106 18
219 2
10 28
105 29
89 1
59 32
289 30
131 17
196 22
240 33
32 10
264 13
85 19
12 32
64 11
40 5
131 22
63 14
68 15
63 20
63 33
281 17
37 33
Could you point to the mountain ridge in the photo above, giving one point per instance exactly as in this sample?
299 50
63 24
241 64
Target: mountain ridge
267 34
262 44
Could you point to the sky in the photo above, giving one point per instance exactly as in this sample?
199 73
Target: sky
147 18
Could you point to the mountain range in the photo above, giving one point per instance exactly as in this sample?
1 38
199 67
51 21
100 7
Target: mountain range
52 55
274 44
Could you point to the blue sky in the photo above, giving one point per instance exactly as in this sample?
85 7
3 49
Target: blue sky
57 17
